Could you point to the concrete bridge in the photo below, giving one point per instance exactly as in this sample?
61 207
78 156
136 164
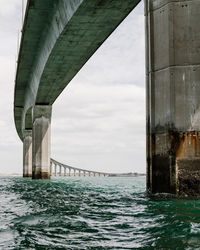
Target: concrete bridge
58 168
58 38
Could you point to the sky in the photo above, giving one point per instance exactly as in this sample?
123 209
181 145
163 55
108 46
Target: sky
98 121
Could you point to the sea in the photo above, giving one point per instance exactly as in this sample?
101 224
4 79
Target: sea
94 213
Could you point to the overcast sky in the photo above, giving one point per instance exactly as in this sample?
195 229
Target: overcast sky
98 121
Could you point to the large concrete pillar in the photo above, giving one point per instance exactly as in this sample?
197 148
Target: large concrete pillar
41 141
27 153
173 96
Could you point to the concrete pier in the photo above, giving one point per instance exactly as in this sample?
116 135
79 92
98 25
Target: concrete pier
27 153
60 170
173 96
51 168
55 173
41 141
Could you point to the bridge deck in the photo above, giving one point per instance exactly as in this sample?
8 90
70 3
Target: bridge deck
78 169
58 38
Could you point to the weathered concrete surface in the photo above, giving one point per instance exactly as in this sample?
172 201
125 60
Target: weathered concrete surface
27 153
41 141
173 91
58 38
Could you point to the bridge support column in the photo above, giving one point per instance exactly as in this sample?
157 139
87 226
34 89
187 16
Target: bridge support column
41 141
51 166
60 170
55 173
173 91
27 153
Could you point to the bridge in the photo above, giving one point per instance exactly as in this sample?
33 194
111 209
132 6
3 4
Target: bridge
59 36
65 170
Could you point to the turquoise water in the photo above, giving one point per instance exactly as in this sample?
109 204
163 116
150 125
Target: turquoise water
93 213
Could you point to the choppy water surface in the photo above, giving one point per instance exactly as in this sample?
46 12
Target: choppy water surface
93 213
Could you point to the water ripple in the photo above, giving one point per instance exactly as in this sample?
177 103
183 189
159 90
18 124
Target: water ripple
93 213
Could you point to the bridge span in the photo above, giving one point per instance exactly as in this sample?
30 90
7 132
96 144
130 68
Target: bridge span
59 36
57 168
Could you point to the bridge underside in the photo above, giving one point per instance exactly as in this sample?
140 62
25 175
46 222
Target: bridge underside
58 38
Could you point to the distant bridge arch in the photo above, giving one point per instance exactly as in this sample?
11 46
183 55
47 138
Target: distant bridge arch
61 169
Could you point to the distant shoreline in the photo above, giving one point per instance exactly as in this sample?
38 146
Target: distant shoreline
127 175
10 174
111 175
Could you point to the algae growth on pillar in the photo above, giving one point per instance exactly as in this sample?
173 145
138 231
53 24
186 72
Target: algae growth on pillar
173 96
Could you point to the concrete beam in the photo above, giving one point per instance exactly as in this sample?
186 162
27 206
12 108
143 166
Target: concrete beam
173 90
58 38
41 141
27 153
